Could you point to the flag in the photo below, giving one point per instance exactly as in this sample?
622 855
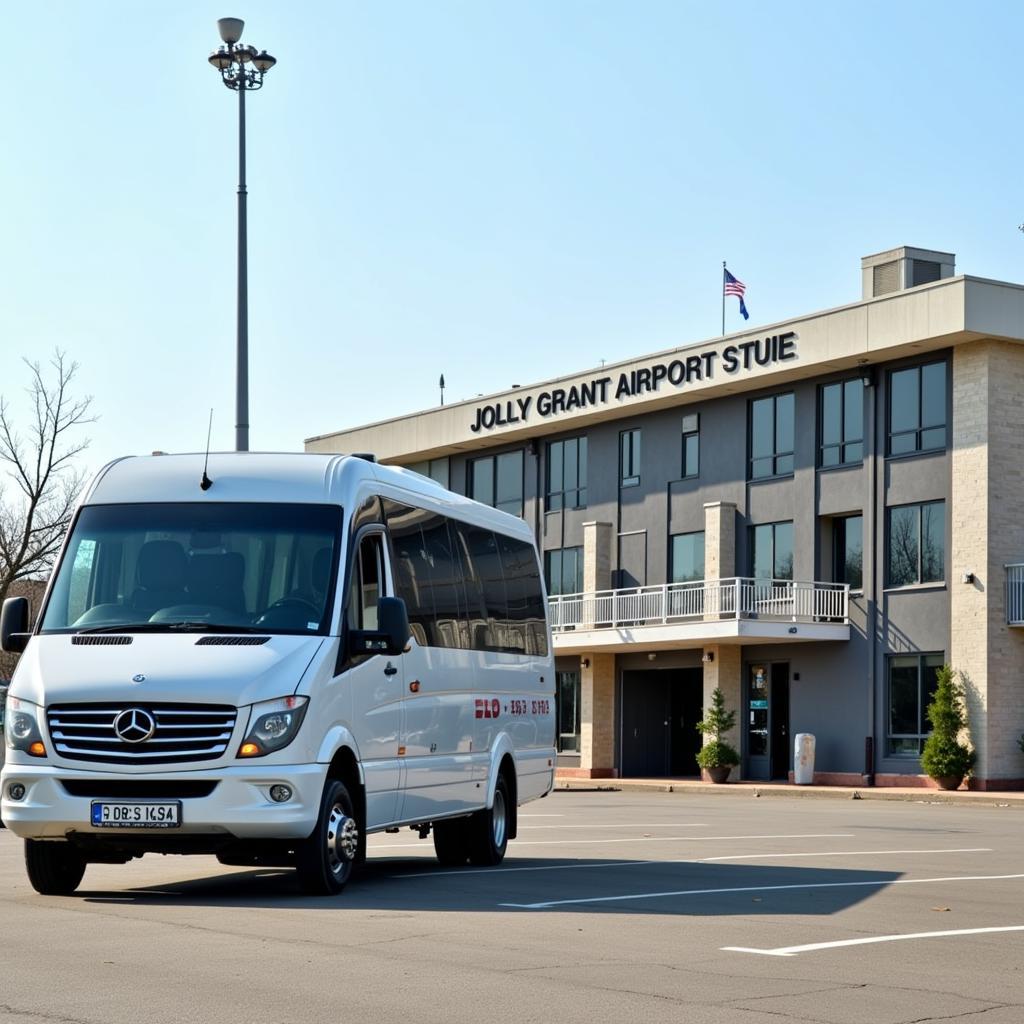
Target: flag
734 286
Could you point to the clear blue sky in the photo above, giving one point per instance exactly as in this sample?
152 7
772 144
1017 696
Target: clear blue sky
501 193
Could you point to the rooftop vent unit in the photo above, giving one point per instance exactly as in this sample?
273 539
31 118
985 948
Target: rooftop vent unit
895 270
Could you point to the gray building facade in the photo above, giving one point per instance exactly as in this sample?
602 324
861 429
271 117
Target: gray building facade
813 516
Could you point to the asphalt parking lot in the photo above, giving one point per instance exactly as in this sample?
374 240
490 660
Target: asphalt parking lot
609 907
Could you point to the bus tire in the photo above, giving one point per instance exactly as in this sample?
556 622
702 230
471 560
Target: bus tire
451 842
54 869
326 860
488 829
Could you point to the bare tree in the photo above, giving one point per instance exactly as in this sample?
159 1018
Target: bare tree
38 479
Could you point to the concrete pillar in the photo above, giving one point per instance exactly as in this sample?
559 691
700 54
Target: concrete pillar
597 716
719 556
719 540
724 671
987 532
597 557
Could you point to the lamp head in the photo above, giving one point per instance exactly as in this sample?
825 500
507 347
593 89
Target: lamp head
230 29
220 59
264 62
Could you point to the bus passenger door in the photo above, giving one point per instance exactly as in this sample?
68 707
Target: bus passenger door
377 691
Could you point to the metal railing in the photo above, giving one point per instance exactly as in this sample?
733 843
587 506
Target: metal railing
1015 594
704 600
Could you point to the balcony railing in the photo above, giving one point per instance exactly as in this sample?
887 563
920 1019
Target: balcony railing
707 601
1015 594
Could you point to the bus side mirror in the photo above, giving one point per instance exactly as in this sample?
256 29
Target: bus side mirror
14 634
392 634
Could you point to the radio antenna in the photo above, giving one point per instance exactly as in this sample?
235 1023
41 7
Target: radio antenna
206 483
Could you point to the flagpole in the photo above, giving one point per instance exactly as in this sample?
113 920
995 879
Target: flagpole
723 298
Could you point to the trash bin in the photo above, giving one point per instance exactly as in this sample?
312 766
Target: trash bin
803 759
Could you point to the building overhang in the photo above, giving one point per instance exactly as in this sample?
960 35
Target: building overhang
691 635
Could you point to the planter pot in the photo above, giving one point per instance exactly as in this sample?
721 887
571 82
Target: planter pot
720 773
949 781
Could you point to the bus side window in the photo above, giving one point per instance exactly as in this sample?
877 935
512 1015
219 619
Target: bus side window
367 574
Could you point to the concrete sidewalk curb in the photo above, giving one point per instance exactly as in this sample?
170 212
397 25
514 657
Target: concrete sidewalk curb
754 790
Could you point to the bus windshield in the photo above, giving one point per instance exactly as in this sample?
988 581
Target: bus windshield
190 567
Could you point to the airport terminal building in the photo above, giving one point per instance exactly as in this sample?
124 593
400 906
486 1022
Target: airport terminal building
814 516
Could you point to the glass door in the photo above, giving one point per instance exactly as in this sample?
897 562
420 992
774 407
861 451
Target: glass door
756 722
766 721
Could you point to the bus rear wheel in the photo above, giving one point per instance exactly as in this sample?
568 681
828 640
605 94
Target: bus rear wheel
488 829
54 869
451 841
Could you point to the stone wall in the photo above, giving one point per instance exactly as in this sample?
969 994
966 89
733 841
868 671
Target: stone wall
724 671
987 526
597 716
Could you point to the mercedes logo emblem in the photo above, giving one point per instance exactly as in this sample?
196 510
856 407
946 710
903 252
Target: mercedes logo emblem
134 725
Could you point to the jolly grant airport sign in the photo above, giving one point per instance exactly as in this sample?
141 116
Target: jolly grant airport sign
708 365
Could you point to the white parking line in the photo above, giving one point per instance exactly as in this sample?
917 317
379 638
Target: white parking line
811 946
874 883
636 839
839 853
603 825
504 869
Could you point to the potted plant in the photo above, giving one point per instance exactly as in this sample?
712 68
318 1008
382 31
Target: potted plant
945 758
716 757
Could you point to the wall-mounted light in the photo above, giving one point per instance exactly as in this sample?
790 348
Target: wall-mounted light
708 657
651 656
967 577
867 375
586 663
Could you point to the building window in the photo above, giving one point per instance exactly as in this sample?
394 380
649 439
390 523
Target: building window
912 682
917 409
567 704
771 436
567 474
497 480
772 551
691 445
435 469
564 571
629 458
917 544
842 423
687 557
848 551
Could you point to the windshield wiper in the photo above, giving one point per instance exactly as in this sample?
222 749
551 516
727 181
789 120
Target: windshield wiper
168 627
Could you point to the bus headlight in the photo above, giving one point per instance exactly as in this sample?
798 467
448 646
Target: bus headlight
21 728
275 724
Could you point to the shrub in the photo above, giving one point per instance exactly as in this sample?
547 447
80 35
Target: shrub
944 755
717 753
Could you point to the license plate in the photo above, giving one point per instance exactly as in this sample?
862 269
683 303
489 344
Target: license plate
108 814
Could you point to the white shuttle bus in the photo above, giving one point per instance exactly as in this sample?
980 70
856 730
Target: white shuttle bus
271 661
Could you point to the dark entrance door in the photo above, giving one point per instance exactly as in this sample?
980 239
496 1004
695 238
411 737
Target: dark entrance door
660 710
687 699
766 721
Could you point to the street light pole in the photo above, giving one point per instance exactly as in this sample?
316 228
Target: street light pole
242 317
231 60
